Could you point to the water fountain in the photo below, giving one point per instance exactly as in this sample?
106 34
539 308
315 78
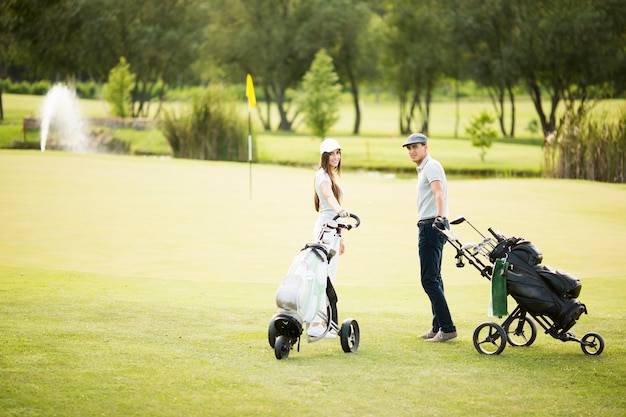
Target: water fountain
60 112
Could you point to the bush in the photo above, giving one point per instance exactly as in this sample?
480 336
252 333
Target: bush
320 94
188 93
117 91
86 89
20 88
40 88
214 130
481 132
588 146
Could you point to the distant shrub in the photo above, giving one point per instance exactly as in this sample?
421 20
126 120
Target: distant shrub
481 132
533 126
40 88
22 87
117 91
319 96
185 93
86 89
213 130
588 146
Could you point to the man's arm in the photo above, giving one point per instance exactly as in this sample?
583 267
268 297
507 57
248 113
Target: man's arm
437 190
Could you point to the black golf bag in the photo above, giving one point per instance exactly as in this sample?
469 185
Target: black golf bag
544 295
539 288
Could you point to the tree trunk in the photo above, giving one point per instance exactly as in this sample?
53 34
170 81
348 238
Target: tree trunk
135 98
497 98
284 124
268 105
535 96
457 98
554 100
354 89
512 100
426 118
405 119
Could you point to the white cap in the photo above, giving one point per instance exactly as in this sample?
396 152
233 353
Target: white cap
329 145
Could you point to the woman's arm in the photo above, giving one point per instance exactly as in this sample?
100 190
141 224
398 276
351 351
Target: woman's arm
328 193
332 200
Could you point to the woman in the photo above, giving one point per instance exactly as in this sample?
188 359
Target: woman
327 198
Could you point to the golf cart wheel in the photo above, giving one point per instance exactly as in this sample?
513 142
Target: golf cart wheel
592 344
489 339
272 333
350 335
282 347
522 331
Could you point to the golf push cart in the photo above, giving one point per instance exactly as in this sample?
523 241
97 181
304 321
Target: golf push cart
306 294
543 295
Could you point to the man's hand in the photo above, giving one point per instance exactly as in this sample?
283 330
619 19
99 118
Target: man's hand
440 223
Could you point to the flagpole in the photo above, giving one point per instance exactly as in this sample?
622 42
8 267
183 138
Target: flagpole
251 103
249 151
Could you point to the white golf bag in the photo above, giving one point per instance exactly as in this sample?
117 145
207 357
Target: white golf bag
302 293
306 295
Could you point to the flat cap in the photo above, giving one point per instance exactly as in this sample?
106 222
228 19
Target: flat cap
415 138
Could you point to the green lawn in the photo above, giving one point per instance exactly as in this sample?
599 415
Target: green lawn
379 121
143 286
378 147
386 154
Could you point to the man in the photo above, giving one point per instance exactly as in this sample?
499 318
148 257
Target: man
432 212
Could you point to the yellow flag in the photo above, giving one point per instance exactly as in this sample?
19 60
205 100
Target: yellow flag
250 91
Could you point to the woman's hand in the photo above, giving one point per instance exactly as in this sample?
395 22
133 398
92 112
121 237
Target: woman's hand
342 248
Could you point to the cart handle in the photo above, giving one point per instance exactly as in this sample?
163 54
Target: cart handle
350 226
499 236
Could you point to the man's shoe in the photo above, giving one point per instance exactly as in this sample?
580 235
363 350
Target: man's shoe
442 337
429 335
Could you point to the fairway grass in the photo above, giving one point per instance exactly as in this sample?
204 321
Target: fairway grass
136 286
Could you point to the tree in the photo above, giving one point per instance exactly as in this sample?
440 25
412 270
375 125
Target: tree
417 48
75 39
566 48
50 37
484 32
350 33
481 132
6 41
159 37
319 96
263 38
117 92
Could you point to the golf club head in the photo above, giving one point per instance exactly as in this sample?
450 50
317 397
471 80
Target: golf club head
470 245
458 220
